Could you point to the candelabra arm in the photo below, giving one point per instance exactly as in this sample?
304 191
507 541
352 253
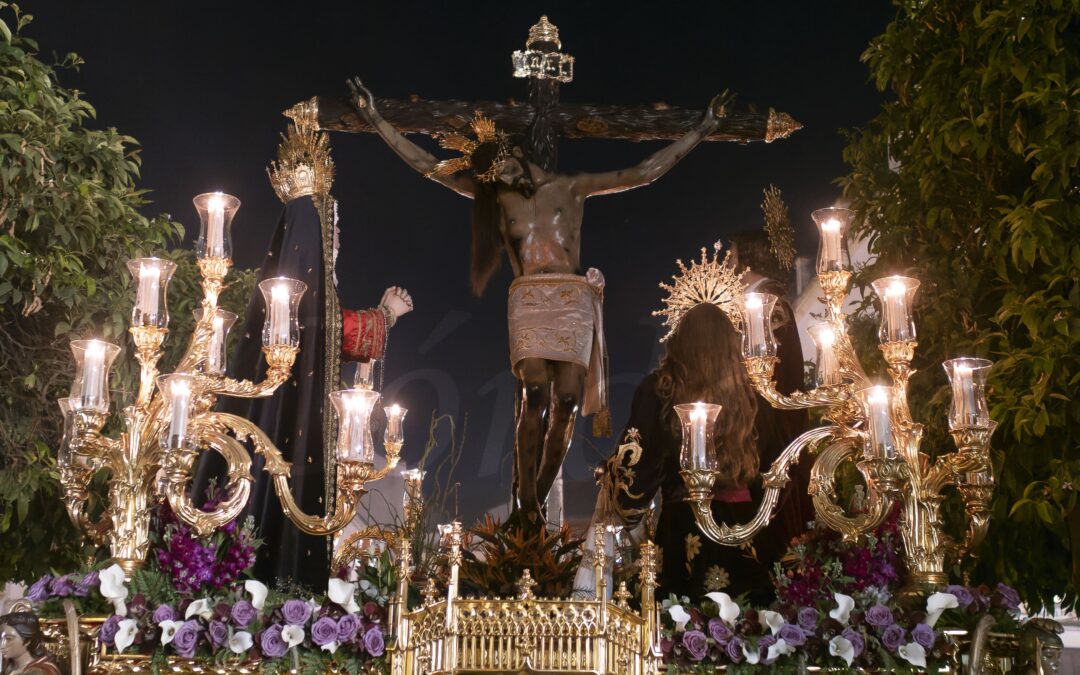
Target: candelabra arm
74 482
835 286
760 370
279 360
393 454
177 465
823 491
700 486
147 341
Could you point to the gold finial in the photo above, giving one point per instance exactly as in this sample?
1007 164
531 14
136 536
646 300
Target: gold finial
708 281
780 125
304 166
431 592
526 585
778 228
622 596
543 31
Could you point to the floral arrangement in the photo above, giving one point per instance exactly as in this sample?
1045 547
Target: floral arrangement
842 633
195 564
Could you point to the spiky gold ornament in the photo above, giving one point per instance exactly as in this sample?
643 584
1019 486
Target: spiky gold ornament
710 280
778 228
304 166
486 133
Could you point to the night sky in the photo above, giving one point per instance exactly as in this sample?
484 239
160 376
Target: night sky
202 86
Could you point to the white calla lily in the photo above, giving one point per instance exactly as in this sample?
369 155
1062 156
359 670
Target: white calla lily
258 591
125 634
679 615
240 642
844 605
913 653
330 646
292 635
343 593
842 647
778 649
729 609
938 603
753 656
168 630
200 608
771 620
111 583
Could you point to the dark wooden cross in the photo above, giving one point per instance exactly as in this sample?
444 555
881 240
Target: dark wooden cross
543 119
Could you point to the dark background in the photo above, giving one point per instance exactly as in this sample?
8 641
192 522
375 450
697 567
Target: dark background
202 85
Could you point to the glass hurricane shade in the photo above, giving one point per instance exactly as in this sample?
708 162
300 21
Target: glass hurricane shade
833 224
698 427
177 391
216 212
896 294
281 296
93 361
757 335
353 408
216 351
967 377
152 276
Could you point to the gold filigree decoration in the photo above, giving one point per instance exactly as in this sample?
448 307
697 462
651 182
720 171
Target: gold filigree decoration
304 166
780 125
710 280
486 134
778 228
693 547
716 578
543 31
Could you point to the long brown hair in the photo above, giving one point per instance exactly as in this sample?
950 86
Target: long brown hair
702 362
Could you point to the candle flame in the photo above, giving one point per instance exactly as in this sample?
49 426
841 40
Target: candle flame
180 388
878 395
753 301
219 322
896 288
149 270
831 225
96 349
698 414
279 293
827 336
216 202
395 410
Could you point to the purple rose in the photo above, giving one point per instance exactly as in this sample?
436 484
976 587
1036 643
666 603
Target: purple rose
879 616
374 643
89 581
924 635
734 650
243 612
164 613
719 631
108 631
808 618
62 587
40 590
1008 597
324 631
963 595
219 633
763 644
296 612
273 647
793 635
858 643
347 626
893 637
696 644
186 639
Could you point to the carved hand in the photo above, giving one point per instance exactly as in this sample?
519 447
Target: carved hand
362 97
397 301
721 105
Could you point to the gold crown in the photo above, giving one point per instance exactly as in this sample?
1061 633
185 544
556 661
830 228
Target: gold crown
707 281
486 133
304 166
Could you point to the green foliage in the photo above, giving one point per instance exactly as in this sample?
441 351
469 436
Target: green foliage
984 208
69 219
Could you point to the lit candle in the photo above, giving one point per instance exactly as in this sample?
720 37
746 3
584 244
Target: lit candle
393 422
828 367
365 374
830 244
93 372
698 450
964 395
881 444
217 346
215 226
146 298
756 320
896 311
279 315
354 408
181 398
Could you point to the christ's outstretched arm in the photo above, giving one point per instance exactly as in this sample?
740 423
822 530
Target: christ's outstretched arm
659 163
415 156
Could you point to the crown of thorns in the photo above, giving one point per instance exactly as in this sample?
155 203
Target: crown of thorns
487 138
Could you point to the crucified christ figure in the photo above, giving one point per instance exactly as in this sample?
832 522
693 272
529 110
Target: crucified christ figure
556 339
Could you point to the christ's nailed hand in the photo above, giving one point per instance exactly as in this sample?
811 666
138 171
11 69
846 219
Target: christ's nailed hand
362 96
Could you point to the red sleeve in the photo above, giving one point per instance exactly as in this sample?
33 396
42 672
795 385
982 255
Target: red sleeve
363 334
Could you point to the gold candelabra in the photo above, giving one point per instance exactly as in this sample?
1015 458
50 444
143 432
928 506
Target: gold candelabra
173 419
869 425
